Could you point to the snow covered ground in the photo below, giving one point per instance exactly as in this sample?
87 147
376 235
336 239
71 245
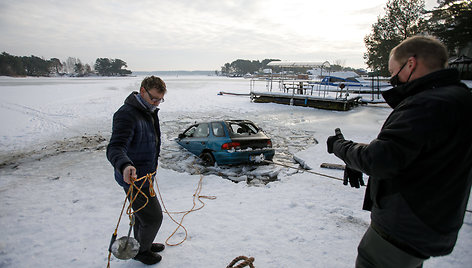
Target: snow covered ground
60 203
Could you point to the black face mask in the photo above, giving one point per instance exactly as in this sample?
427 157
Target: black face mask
395 80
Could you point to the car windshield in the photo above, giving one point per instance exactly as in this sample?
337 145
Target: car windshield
243 128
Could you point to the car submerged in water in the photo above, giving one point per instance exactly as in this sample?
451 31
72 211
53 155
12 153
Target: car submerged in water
227 142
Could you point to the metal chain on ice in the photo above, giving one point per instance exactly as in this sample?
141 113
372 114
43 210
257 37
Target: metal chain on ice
129 210
196 196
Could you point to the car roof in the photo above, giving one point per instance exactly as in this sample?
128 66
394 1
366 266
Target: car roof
226 121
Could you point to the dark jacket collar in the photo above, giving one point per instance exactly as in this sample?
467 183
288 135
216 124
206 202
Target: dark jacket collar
440 78
131 100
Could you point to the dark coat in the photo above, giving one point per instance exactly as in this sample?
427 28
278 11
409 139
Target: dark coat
135 139
420 165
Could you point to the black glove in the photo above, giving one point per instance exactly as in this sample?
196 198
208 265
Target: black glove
331 139
353 176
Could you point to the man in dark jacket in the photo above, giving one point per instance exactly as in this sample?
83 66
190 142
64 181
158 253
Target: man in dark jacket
133 151
420 164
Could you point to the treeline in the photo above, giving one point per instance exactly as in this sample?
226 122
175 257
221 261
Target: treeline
451 22
241 67
11 65
108 67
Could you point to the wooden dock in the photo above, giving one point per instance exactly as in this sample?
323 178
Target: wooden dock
337 104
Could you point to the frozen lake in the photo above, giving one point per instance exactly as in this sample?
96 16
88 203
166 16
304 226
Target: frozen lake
61 203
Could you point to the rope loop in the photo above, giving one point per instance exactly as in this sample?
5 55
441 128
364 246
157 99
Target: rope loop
132 198
196 197
246 262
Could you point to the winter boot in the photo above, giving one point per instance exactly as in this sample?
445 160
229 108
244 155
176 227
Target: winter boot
148 257
157 247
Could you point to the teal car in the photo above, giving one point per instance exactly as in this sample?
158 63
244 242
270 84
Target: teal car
227 142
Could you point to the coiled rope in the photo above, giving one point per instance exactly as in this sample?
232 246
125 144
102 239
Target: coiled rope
132 198
130 212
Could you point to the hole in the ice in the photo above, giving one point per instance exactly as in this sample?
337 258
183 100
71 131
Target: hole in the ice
285 140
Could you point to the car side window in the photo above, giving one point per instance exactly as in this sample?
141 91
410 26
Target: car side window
218 130
202 131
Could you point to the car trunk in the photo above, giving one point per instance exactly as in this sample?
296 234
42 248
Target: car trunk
252 142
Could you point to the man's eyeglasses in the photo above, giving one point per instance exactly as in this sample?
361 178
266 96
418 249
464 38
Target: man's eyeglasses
154 99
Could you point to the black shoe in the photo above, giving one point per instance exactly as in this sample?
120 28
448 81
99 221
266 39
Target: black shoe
157 247
148 257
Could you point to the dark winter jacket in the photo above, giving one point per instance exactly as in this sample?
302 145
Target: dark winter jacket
420 165
135 140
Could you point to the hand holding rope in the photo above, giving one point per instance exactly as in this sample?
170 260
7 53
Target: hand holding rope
129 211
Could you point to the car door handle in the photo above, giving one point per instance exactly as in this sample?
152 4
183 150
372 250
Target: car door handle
203 143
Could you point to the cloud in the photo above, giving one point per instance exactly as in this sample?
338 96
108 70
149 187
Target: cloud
203 34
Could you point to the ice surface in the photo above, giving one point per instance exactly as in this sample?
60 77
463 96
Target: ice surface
60 203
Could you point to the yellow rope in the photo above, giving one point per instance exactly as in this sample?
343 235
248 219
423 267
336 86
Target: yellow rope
148 177
196 196
152 193
129 211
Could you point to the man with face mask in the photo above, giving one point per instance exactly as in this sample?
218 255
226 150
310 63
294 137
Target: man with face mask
133 151
420 164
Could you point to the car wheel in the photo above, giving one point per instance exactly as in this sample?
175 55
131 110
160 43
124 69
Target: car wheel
208 159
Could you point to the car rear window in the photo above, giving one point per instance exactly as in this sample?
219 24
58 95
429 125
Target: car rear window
243 128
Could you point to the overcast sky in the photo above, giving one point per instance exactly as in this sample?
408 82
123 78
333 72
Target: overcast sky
153 35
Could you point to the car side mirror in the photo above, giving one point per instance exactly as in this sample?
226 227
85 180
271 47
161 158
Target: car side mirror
181 136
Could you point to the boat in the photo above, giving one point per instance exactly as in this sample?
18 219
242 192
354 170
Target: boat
350 79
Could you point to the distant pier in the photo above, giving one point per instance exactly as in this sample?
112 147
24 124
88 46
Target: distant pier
337 104
324 90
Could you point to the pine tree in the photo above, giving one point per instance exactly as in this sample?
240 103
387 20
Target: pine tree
451 22
403 18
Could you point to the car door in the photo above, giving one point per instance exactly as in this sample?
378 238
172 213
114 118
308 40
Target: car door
196 138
